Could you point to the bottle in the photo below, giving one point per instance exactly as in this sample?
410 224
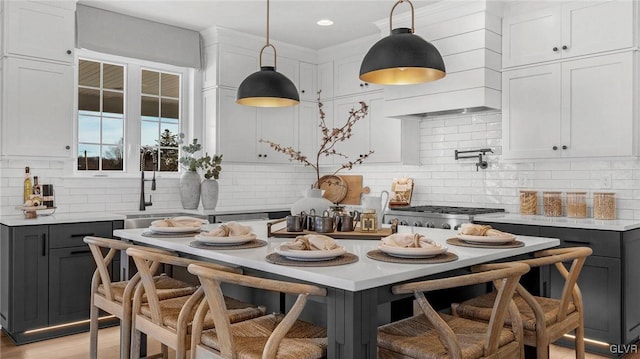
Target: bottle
27 184
35 190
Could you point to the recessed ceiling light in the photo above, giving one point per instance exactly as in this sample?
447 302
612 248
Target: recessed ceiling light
325 22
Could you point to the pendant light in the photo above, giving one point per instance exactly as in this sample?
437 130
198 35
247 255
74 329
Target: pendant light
267 87
402 58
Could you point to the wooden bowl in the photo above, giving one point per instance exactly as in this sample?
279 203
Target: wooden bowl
335 188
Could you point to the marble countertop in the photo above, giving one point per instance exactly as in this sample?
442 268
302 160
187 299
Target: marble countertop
539 220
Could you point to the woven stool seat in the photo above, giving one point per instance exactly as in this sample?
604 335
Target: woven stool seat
167 288
303 341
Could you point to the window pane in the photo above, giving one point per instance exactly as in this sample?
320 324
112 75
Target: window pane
113 104
89 73
89 100
88 129
88 157
112 131
150 82
170 85
168 138
149 133
113 77
170 108
149 106
169 159
112 158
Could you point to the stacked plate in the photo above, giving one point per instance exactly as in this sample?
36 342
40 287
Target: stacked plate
504 238
412 252
168 230
225 241
310 255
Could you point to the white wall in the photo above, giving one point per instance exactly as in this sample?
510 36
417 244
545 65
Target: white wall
440 179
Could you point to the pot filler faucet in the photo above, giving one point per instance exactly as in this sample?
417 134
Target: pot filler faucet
143 202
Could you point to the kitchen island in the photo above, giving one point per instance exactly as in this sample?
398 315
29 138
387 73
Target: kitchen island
354 290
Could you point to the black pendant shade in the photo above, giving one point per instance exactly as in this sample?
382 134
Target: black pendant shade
402 58
267 88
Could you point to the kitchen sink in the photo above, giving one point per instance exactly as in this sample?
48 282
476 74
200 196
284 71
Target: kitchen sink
144 220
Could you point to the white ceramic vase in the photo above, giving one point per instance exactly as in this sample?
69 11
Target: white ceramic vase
312 200
209 193
190 189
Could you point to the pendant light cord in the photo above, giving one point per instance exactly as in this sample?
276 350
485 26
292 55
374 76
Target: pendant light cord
413 30
268 43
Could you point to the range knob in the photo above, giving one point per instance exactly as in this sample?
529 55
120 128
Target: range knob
446 226
404 223
417 224
457 226
431 225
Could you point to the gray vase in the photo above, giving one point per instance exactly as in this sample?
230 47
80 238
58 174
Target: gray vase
190 189
209 193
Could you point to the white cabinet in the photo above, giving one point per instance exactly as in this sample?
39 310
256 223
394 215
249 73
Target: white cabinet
307 82
346 77
39 29
567 30
235 64
577 108
325 79
37 108
239 128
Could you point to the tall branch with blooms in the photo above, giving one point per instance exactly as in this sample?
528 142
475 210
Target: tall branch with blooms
330 137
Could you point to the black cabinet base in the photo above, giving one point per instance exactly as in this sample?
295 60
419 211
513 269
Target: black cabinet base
20 338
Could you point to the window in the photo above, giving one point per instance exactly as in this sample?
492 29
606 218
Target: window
130 114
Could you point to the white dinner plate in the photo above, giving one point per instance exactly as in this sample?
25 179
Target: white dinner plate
225 241
506 238
319 255
404 252
174 229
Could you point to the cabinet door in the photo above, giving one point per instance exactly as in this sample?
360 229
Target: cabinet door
531 112
237 131
235 65
308 82
594 26
29 286
346 77
531 37
325 80
70 272
309 133
597 108
385 133
358 143
38 109
599 283
276 124
40 30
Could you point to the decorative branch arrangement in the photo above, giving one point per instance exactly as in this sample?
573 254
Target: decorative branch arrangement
330 137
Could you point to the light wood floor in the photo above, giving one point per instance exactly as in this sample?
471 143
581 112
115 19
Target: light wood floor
77 346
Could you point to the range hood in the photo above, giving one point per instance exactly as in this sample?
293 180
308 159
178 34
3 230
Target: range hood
468 35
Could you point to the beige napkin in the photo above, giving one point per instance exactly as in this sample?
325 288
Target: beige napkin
182 221
311 242
229 229
408 240
481 230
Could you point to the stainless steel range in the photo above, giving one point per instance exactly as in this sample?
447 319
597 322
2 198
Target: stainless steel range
435 216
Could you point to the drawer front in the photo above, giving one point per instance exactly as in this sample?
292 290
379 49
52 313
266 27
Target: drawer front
603 243
72 234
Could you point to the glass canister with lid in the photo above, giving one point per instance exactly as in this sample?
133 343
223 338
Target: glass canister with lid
577 204
528 202
604 205
552 204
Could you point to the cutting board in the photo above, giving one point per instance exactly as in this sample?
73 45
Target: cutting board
354 189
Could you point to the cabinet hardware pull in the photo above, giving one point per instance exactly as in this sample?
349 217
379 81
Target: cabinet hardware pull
574 241
265 155
361 85
302 91
564 47
44 245
555 148
82 235
555 49
68 52
564 147
67 147
80 252
260 155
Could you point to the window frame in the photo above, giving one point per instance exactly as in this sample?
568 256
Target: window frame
132 122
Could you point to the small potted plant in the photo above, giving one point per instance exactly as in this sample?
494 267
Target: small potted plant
191 188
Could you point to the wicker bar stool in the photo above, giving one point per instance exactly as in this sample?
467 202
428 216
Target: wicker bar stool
268 337
115 298
545 320
169 320
433 335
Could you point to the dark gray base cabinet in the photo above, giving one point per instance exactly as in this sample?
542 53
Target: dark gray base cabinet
45 277
607 282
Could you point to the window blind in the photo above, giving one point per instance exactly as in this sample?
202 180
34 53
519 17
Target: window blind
118 34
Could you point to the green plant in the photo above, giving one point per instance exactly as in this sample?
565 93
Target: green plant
210 165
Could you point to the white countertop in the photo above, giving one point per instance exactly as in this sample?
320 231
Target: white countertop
364 274
539 220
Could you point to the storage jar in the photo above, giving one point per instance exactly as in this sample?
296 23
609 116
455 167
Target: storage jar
552 204
604 205
528 202
577 204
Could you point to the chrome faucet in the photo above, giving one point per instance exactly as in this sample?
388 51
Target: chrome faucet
143 202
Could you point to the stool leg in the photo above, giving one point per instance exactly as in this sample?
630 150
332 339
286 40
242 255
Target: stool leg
135 344
580 339
93 331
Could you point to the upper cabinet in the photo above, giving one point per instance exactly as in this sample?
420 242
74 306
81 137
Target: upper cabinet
43 30
308 81
346 77
325 79
567 30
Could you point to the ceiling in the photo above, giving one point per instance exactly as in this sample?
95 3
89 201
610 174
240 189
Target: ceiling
291 21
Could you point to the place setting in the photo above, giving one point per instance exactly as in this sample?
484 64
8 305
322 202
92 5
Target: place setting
181 227
411 248
311 250
483 236
230 235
